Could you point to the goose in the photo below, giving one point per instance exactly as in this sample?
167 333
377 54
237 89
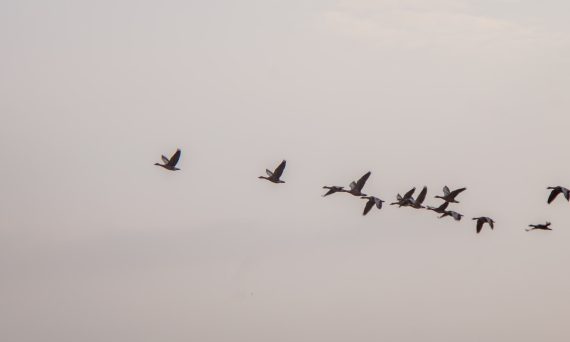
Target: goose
557 190
545 226
333 189
449 196
275 175
440 209
417 203
456 216
356 187
170 164
406 200
371 202
481 221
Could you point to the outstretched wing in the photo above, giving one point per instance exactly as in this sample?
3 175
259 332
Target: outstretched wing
491 223
362 181
457 192
164 159
409 193
279 170
566 193
368 206
553 195
378 203
445 190
174 159
479 225
269 173
443 206
422 196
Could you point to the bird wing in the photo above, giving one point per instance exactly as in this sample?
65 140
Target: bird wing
174 159
491 223
553 195
352 185
269 173
566 193
164 159
479 225
368 206
443 206
445 190
457 192
362 181
422 196
409 193
378 202
456 216
279 170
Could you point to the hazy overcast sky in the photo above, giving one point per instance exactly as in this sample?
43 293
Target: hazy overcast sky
97 244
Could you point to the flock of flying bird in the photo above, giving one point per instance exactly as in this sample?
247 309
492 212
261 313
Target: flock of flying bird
401 201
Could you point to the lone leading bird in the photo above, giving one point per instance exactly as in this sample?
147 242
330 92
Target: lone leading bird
545 226
170 164
275 176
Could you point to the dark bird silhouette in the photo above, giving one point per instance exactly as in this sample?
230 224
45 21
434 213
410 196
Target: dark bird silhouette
371 202
170 164
545 226
440 210
356 187
481 221
417 203
406 200
449 196
275 175
333 189
558 190
456 216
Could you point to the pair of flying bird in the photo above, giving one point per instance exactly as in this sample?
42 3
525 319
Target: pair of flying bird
356 190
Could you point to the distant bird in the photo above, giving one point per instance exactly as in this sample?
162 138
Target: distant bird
356 187
557 190
545 226
417 203
440 210
406 200
333 189
371 202
170 164
275 175
483 220
449 196
456 216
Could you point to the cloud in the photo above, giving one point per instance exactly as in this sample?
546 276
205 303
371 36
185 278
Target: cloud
420 24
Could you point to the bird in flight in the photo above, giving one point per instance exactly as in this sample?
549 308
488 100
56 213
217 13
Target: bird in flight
545 226
356 187
449 196
481 221
556 190
417 203
406 200
170 164
275 175
333 189
440 210
456 216
372 201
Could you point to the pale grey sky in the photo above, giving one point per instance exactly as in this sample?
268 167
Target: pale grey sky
97 244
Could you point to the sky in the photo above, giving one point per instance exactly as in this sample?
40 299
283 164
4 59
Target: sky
98 244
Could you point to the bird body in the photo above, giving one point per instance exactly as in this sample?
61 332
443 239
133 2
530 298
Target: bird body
456 216
545 226
333 189
372 201
275 176
556 190
449 196
481 221
406 200
170 164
